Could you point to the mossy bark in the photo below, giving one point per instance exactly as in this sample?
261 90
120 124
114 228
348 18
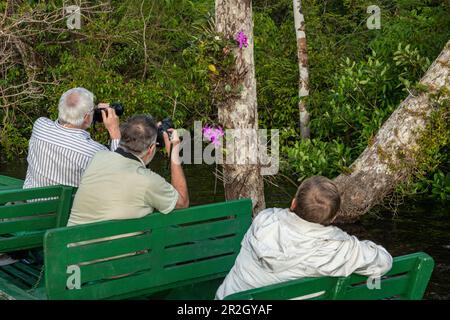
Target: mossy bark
241 180
393 155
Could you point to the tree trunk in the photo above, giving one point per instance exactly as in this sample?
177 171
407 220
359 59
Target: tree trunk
241 180
303 83
392 156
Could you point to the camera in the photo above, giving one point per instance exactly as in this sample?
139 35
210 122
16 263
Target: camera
165 124
117 106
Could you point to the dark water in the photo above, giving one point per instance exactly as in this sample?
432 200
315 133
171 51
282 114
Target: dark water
417 226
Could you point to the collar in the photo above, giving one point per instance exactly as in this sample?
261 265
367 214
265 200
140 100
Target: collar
129 155
296 220
72 130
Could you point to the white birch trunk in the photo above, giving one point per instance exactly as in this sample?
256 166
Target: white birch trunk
303 84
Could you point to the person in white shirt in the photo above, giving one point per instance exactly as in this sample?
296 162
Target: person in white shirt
59 151
288 244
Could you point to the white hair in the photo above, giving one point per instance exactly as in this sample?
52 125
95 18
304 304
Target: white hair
74 104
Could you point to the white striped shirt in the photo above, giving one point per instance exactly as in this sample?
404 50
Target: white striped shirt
59 155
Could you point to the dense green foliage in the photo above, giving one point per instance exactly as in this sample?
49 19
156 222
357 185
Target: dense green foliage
163 58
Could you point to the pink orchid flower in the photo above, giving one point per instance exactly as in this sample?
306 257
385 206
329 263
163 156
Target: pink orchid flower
213 134
242 39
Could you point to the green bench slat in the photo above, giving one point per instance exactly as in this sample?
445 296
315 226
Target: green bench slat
104 289
29 209
159 292
202 231
10 182
2 188
204 290
199 250
20 278
388 288
39 223
108 269
29 194
104 229
208 212
10 291
24 276
110 248
289 290
28 269
12 279
27 241
216 265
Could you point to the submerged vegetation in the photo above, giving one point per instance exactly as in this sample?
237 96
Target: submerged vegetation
164 58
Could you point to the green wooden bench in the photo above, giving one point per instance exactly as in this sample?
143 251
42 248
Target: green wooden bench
185 254
25 215
407 279
10 183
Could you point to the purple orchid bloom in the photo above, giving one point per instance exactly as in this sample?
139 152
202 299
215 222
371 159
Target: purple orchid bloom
242 39
206 131
213 134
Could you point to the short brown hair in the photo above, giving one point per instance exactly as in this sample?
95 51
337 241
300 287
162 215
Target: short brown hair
138 133
318 200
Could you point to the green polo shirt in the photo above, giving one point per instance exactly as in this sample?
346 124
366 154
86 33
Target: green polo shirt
115 187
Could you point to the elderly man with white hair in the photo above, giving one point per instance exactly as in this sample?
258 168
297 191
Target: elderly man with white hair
59 151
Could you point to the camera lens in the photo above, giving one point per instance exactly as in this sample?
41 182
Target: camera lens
117 106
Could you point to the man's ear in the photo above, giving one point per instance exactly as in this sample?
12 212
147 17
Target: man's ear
150 152
87 121
293 205
152 149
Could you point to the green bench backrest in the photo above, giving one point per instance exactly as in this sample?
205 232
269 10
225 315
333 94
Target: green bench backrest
24 222
182 247
407 279
10 183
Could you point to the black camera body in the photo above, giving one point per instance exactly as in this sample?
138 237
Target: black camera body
117 106
165 124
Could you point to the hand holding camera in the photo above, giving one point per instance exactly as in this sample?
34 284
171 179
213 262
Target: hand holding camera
168 138
171 139
109 115
163 127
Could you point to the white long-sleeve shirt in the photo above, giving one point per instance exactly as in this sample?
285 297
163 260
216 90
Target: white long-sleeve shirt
59 155
280 246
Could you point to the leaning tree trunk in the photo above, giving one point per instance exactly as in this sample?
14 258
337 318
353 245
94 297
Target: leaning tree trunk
241 180
393 154
303 83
